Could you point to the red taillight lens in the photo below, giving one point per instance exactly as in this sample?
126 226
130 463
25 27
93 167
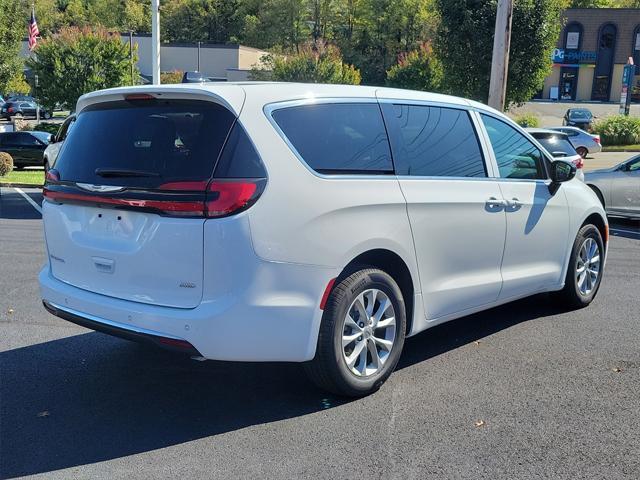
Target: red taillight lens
10 110
52 176
579 163
231 196
596 138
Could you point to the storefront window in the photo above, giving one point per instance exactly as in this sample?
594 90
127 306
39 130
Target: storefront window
604 65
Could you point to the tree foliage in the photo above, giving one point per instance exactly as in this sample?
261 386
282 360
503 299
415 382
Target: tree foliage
417 70
465 45
11 33
77 61
319 64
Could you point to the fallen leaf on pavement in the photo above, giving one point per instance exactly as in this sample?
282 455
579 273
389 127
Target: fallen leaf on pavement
10 311
617 369
479 423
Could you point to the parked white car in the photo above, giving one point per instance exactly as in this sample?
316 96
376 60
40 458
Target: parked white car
306 223
557 144
52 150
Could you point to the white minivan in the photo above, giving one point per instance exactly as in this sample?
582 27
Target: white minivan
306 223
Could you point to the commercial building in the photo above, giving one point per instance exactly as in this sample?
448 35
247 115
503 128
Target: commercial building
220 61
594 47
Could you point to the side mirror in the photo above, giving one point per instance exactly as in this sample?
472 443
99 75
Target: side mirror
53 139
561 171
559 154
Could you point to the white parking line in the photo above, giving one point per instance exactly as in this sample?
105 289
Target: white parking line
614 230
29 199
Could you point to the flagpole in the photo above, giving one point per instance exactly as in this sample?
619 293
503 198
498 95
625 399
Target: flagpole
155 41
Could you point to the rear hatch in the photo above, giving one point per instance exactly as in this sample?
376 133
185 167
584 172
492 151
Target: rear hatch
132 187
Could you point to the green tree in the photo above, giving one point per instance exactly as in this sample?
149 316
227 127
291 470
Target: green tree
200 20
417 70
13 27
465 44
77 61
320 64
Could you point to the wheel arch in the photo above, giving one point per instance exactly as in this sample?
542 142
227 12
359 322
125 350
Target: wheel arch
598 193
393 264
600 223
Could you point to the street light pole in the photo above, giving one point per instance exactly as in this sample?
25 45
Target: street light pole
500 59
131 55
198 69
155 41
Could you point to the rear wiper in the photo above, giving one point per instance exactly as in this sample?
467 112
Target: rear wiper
113 172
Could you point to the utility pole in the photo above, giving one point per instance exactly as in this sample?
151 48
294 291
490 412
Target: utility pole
155 41
198 69
500 59
131 55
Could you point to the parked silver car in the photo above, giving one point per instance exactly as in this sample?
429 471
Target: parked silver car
583 142
618 188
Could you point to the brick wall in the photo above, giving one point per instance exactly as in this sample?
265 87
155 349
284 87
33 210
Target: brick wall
625 19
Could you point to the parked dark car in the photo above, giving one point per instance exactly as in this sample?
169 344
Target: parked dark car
23 109
20 98
578 117
26 148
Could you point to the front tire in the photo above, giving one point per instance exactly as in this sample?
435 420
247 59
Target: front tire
584 274
361 335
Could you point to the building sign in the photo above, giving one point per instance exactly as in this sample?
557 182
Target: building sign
574 57
627 83
573 40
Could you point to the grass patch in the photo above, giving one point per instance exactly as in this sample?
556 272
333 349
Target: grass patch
621 148
31 177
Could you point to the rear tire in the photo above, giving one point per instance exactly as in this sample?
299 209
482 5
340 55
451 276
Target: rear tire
584 274
46 115
582 152
361 334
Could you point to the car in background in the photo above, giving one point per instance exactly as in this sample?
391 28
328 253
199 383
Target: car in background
26 148
20 98
23 109
559 147
578 117
52 150
199 77
583 142
618 188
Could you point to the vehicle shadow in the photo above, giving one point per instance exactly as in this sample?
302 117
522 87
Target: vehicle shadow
90 397
624 227
13 206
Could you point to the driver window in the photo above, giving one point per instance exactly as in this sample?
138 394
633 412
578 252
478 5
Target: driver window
517 157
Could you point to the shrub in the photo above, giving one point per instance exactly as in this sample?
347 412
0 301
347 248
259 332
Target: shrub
314 64
618 130
6 164
174 76
20 124
47 127
527 120
417 70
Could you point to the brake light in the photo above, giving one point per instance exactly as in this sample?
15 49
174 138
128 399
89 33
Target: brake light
596 138
10 109
579 162
226 197
138 96
52 176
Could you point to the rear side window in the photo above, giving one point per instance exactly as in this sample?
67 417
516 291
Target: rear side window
239 158
556 144
434 141
336 138
144 144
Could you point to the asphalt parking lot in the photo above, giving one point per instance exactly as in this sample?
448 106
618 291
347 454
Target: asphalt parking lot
521 391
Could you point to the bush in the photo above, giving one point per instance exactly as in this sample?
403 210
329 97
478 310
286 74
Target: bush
527 120
321 64
417 70
47 127
174 76
6 164
20 124
618 130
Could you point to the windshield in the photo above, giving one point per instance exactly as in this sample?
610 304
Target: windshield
145 143
555 144
42 136
580 114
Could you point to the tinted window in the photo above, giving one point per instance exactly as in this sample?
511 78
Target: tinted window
239 158
169 141
556 143
339 137
24 139
44 137
517 157
9 139
434 141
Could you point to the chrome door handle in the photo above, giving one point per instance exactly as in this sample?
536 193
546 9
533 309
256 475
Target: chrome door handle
493 202
515 203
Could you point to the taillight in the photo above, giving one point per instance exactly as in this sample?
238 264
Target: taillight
225 197
596 138
52 175
10 110
578 162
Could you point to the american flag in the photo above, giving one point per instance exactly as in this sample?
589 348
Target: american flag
33 30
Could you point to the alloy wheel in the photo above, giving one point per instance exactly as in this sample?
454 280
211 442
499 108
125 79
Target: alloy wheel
588 266
368 333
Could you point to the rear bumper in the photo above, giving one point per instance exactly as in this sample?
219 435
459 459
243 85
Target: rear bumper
274 318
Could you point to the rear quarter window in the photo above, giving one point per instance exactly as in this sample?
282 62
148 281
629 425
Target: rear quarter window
338 138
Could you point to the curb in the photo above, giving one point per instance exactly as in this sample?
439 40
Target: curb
20 185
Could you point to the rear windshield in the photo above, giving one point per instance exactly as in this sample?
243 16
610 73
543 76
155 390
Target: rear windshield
144 143
557 143
580 114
